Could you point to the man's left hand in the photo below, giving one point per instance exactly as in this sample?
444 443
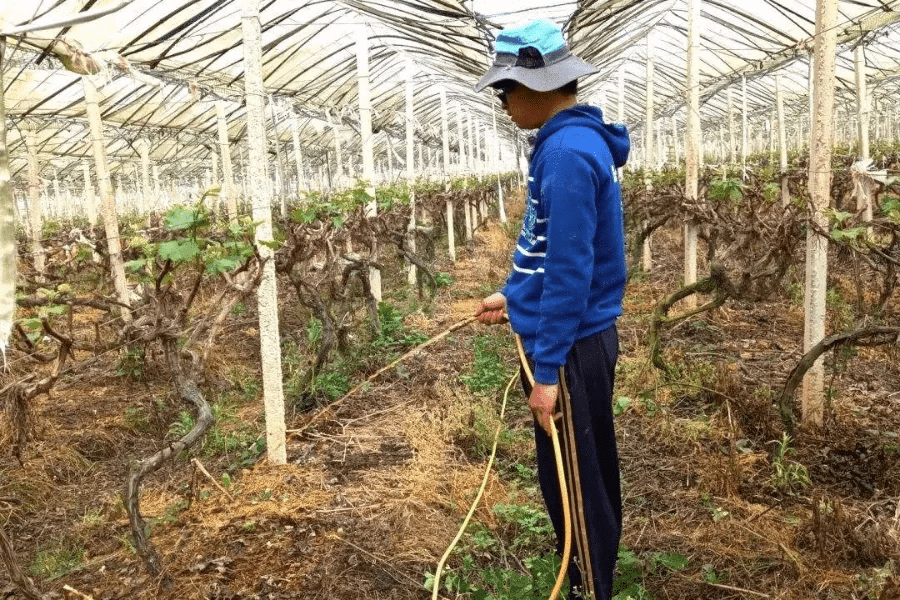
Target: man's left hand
542 402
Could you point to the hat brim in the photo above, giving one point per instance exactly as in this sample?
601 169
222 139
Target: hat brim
542 79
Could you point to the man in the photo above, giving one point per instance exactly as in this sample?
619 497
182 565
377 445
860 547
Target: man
568 278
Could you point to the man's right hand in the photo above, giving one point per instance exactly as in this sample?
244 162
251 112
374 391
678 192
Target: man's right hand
492 310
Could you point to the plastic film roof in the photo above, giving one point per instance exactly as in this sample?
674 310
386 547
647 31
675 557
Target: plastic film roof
165 63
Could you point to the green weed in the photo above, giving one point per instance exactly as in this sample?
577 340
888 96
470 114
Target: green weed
226 435
489 373
392 333
52 563
632 570
131 363
787 475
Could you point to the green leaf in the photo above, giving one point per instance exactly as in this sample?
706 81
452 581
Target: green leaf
32 323
222 265
304 215
180 217
136 264
56 309
847 235
673 562
621 404
178 250
337 221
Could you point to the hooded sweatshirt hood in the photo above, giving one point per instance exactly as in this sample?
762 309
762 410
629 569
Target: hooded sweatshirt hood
615 134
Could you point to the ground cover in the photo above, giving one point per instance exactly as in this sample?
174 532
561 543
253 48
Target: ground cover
718 502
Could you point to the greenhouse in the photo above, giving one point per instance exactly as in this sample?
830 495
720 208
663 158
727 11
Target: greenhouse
244 250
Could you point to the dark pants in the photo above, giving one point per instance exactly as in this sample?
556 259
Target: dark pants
590 371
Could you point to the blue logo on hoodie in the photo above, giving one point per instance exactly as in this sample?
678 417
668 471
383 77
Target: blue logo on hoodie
529 221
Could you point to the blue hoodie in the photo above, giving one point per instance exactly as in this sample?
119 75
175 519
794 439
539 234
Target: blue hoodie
569 272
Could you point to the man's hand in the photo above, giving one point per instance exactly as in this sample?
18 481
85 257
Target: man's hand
542 402
492 310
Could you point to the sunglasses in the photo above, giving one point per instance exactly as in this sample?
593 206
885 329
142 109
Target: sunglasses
503 88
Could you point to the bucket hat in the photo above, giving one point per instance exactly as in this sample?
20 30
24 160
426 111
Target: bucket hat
535 55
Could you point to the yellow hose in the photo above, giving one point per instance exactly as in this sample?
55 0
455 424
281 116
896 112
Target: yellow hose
487 473
563 487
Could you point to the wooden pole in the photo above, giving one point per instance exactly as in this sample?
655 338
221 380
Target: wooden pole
646 252
7 227
35 215
821 139
107 200
90 206
267 294
368 145
692 142
228 191
445 136
298 155
498 162
744 131
144 197
862 102
411 167
782 141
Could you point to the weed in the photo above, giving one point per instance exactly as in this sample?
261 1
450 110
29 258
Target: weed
531 524
717 513
621 404
502 584
314 331
709 574
170 515
787 475
392 334
839 309
442 279
131 363
92 518
137 419
489 373
55 562
227 433
632 569
333 384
